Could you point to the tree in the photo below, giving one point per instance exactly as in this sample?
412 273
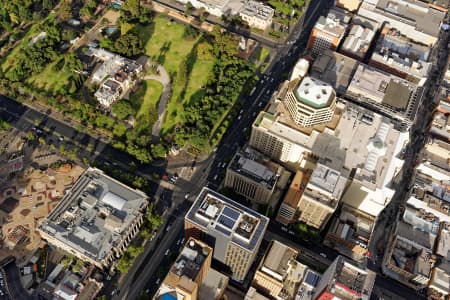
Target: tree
67 261
132 8
30 136
78 265
122 109
125 27
129 44
65 10
158 150
41 140
153 217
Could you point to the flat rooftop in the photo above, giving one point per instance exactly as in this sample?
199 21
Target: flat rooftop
94 214
328 180
399 52
191 259
255 166
314 92
334 23
419 20
238 223
257 9
335 69
380 87
360 36
275 262
349 275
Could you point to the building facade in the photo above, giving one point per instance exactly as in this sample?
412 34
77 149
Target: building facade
321 196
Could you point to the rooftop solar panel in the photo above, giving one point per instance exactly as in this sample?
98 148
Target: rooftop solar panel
312 279
231 213
227 222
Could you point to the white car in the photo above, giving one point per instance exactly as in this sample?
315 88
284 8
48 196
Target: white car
167 252
158 281
323 255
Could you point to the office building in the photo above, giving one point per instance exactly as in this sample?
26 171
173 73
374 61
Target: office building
279 274
234 231
96 220
328 31
257 15
188 273
399 55
418 20
321 196
346 281
359 38
310 102
277 140
253 175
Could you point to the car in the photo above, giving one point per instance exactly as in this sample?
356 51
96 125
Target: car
179 242
323 255
215 177
168 227
239 117
241 111
254 114
147 291
186 196
167 252
61 138
158 281
182 241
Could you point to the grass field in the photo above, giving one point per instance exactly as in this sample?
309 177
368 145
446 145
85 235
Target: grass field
145 101
165 42
50 80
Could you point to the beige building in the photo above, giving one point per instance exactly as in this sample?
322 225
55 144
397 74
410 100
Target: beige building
233 230
188 272
257 15
328 31
310 102
321 196
279 275
288 212
253 175
96 219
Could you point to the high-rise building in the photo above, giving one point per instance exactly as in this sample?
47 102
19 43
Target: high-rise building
233 230
187 273
321 196
310 102
277 140
96 219
346 281
279 275
253 175
329 31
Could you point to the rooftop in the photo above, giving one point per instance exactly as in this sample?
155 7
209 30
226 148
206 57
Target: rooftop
360 36
334 23
191 259
256 167
402 53
314 92
257 9
419 20
328 180
93 215
215 212
335 69
381 88
277 259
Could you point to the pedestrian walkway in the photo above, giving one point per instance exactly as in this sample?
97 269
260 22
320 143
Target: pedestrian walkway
163 77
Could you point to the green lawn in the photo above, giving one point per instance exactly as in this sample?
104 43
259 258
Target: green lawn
165 42
145 101
50 80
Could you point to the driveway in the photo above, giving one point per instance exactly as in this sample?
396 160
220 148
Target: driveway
163 77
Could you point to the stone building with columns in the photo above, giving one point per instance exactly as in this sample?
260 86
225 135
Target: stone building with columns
96 220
